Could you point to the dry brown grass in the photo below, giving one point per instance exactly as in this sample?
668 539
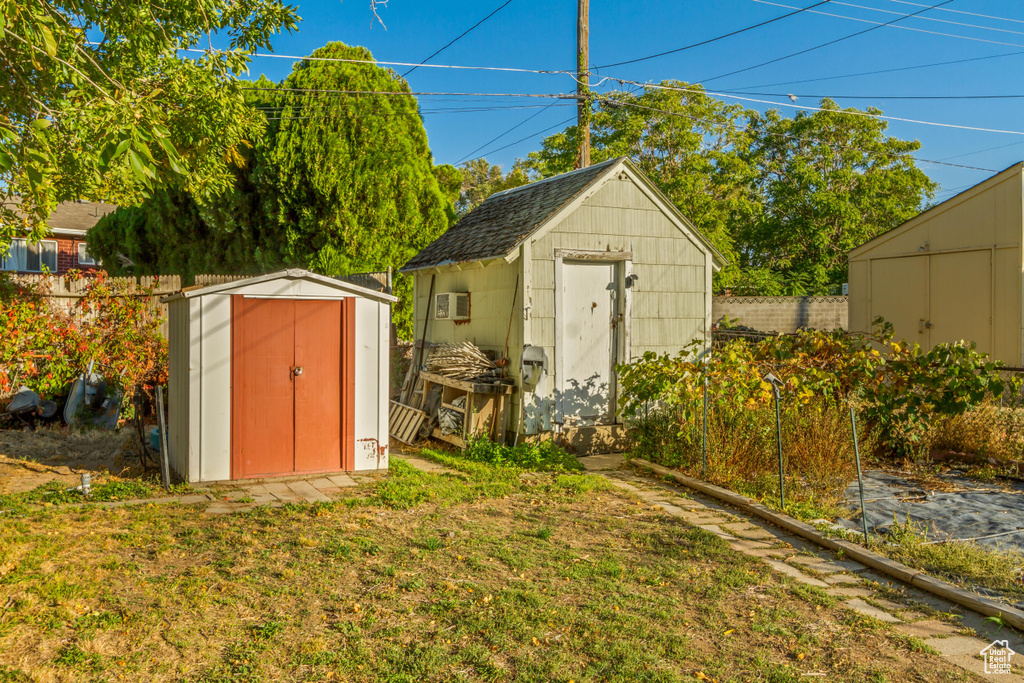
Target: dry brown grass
489 577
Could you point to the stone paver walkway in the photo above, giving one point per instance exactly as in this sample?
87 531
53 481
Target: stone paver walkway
956 634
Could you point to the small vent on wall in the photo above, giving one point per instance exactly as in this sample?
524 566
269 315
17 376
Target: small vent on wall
451 306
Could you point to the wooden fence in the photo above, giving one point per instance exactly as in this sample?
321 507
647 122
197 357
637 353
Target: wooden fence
65 292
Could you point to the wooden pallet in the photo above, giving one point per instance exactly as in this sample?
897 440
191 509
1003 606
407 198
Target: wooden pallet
404 422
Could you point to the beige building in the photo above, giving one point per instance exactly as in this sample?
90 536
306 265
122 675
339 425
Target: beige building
578 272
952 273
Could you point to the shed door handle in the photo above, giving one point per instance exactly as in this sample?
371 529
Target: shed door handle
295 371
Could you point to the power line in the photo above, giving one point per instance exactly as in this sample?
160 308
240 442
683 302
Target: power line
793 137
980 151
883 97
957 11
855 112
403 92
890 24
330 110
818 47
883 71
457 38
935 19
375 62
715 39
532 135
500 136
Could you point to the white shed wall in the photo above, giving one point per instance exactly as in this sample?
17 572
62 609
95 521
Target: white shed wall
372 384
178 385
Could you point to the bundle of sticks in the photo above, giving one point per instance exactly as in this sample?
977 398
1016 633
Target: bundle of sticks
459 361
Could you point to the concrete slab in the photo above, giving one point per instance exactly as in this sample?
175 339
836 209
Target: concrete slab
835 579
796 574
602 462
321 484
716 530
307 492
194 498
867 610
281 491
744 545
976 666
957 645
342 480
775 553
671 509
927 629
890 605
850 591
828 566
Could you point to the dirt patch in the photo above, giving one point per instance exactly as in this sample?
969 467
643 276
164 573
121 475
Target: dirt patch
30 459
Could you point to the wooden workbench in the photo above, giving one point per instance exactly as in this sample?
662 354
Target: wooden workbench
486 411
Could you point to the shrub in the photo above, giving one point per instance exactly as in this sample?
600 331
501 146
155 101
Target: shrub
44 347
899 389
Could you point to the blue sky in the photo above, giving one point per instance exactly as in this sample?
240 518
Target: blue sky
542 36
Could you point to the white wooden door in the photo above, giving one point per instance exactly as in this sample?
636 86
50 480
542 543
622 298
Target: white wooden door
586 375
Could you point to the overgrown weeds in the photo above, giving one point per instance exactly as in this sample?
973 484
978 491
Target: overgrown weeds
959 561
542 456
742 450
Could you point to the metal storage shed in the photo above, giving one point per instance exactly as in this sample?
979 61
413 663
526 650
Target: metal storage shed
580 272
279 374
952 273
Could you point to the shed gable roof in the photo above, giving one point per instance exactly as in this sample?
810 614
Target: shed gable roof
505 219
968 194
289 274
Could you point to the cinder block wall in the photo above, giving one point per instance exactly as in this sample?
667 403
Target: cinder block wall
783 313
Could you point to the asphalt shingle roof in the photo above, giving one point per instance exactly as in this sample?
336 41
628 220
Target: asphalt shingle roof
74 216
505 219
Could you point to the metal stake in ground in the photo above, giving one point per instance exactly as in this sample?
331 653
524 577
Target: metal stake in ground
776 383
704 439
860 479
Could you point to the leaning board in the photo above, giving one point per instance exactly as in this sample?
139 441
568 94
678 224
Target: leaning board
404 422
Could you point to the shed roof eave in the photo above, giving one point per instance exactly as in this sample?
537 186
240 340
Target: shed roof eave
908 224
291 273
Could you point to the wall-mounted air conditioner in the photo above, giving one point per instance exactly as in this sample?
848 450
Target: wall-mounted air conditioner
451 306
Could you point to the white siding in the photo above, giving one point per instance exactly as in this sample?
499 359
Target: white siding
670 303
215 388
178 385
371 406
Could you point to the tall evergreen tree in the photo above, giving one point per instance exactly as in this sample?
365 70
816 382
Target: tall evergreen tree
342 181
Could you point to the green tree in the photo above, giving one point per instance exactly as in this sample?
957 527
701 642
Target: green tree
481 179
829 181
691 145
98 102
342 181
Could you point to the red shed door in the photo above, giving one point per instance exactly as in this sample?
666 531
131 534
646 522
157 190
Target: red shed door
291 408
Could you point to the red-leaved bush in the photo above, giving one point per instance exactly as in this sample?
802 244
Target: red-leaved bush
44 345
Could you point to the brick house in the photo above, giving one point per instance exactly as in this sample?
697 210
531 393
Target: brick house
64 247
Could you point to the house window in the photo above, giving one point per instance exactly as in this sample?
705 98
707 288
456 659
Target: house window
32 257
84 258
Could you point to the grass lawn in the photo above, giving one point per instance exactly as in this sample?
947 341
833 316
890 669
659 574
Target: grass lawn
488 574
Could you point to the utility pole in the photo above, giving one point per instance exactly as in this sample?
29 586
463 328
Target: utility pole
583 76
